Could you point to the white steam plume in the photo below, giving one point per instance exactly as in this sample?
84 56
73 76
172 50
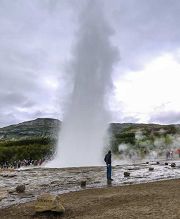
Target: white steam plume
85 124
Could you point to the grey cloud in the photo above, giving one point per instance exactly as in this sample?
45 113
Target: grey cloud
146 29
42 114
36 38
166 117
122 118
8 119
130 119
12 98
34 42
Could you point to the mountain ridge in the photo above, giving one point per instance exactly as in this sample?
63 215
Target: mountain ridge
40 127
36 139
50 127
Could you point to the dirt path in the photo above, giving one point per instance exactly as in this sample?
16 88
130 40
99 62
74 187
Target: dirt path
150 200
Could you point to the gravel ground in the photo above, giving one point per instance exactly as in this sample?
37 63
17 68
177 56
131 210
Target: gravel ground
147 200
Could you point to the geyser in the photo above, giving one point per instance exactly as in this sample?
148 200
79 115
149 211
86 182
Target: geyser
82 136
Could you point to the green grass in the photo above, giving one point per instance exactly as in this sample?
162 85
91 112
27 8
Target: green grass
35 149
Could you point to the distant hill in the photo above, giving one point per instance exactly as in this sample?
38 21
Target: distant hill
49 128
31 140
40 127
36 139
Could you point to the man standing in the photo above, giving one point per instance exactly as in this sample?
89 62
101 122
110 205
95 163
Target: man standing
107 159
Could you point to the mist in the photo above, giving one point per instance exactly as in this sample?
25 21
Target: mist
82 137
149 148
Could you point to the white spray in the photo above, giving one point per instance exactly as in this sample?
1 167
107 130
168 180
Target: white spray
85 124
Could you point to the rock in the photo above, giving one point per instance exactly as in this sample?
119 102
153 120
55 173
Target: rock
173 165
83 184
55 182
151 168
8 175
49 202
126 174
3 194
147 162
157 162
20 188
11 191
166 163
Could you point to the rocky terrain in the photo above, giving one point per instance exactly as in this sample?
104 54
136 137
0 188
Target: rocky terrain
98 199
62 180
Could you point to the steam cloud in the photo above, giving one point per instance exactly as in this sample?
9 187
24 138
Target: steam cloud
144 148
85 124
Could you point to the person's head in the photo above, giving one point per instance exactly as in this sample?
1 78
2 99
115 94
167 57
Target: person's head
109 152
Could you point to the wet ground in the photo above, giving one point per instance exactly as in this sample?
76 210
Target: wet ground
41 180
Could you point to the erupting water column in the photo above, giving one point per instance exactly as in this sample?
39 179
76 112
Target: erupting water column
81 140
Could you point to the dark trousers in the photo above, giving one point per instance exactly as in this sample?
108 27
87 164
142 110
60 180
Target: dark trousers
109 170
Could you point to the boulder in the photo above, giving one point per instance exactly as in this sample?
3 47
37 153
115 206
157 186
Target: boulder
157 162
20 188
83 184
8 175
166 163
147 162
126 174
12 191
151 168
3 194
49 202
173 165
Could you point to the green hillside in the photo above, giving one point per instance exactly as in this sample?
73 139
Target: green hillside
32 140
38 128
36 139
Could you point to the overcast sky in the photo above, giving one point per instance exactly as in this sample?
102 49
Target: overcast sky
36 40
